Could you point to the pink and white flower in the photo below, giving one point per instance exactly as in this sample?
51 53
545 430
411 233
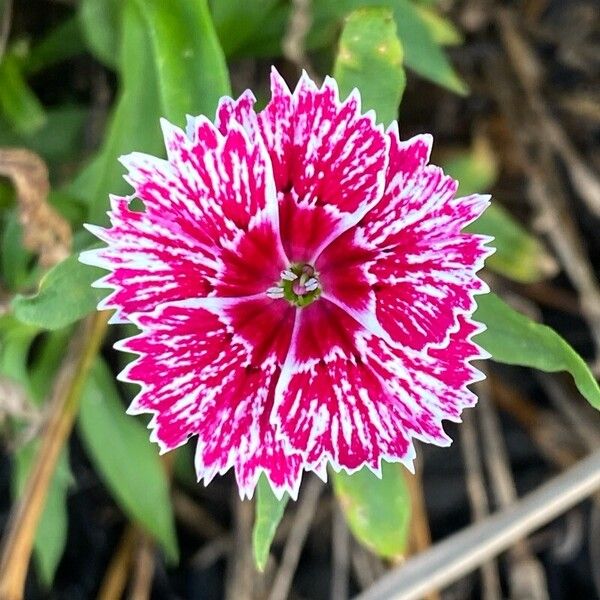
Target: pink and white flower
302 285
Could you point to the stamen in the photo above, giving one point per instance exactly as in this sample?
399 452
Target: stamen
311 285
275 292
288 275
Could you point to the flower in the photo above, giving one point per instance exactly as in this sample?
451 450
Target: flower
302 286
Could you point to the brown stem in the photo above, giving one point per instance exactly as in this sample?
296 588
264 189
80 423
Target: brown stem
143 572
63 405
117 573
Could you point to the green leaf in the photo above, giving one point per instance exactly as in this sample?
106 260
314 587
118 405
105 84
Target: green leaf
192 73
134 124
519 255
243 25
178 43
442 30
19 105
15 340
266 40
129 464
46 361
15 261
269 511
514 339
422 53
370 58
377 510
100 22
65 296
51 533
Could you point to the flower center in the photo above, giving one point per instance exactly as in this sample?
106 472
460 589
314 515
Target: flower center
299 285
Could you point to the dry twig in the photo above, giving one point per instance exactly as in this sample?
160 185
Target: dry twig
529 71
340 542
554 441
367 567
240 568
195 517
293 547
466 550
527 577
420 534
478 499
293 43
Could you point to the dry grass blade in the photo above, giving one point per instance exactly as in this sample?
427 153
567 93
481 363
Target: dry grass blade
544 186
528 71
45 232
63 404
194 517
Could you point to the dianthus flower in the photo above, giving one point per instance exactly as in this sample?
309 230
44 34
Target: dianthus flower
302 286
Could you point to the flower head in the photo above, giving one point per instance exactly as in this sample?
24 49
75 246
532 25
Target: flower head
302 286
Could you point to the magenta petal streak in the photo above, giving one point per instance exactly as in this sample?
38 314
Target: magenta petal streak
302 285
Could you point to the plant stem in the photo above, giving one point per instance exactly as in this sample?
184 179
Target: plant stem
18 540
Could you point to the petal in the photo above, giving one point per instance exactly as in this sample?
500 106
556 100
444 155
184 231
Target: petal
239 111
210 224
422 269
348 397
428 277
347 282
216 184
276 125
152 261
328 159
208 367
401 201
